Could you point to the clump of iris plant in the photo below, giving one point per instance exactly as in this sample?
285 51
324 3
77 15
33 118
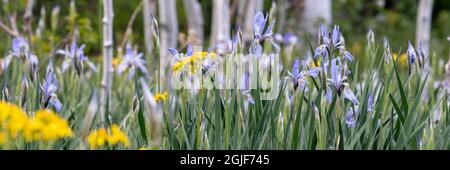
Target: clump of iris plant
332 47
260 34
416 55
49 97
75 57
132 60
333 70
299 77
350 118
21 50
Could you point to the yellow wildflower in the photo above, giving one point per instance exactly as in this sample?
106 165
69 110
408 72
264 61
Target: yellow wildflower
3 137
191 60
402 60
117 136
161 96
101 137
203 54
177 66
97 138
32 131
116 61
12 119
47 126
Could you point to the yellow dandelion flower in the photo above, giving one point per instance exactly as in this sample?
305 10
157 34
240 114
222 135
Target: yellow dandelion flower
161 96
12 119
101 137
177 66
97 138
203 54
191 60
16 123
402 60
32 131
47 126
117 136
3 138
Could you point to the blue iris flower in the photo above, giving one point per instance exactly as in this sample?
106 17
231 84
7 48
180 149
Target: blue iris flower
75 55
411 52
49 88
132 60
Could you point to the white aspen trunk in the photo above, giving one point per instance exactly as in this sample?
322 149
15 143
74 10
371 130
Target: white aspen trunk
381 3
315 12
168 29
281 19
423 33
423 24
27 20
168 26
149 10
106 83
246 12
220 33
194 18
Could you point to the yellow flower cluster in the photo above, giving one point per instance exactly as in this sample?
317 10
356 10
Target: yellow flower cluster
101 137
161 96
196 57
44 126
48 126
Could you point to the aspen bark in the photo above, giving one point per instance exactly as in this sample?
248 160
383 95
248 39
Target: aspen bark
220 33
315 12
149 10
423 24
106 83
27 20
168 29
246 12
282 6
194 18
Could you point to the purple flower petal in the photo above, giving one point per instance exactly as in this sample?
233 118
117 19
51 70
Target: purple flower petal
173 52
411 52
349 95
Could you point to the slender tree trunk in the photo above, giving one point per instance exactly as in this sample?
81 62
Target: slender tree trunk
27 20
246 12
423 24
195 21
149 10
282 12
220 33
381 3
314 13
106 83
168 28
423 33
